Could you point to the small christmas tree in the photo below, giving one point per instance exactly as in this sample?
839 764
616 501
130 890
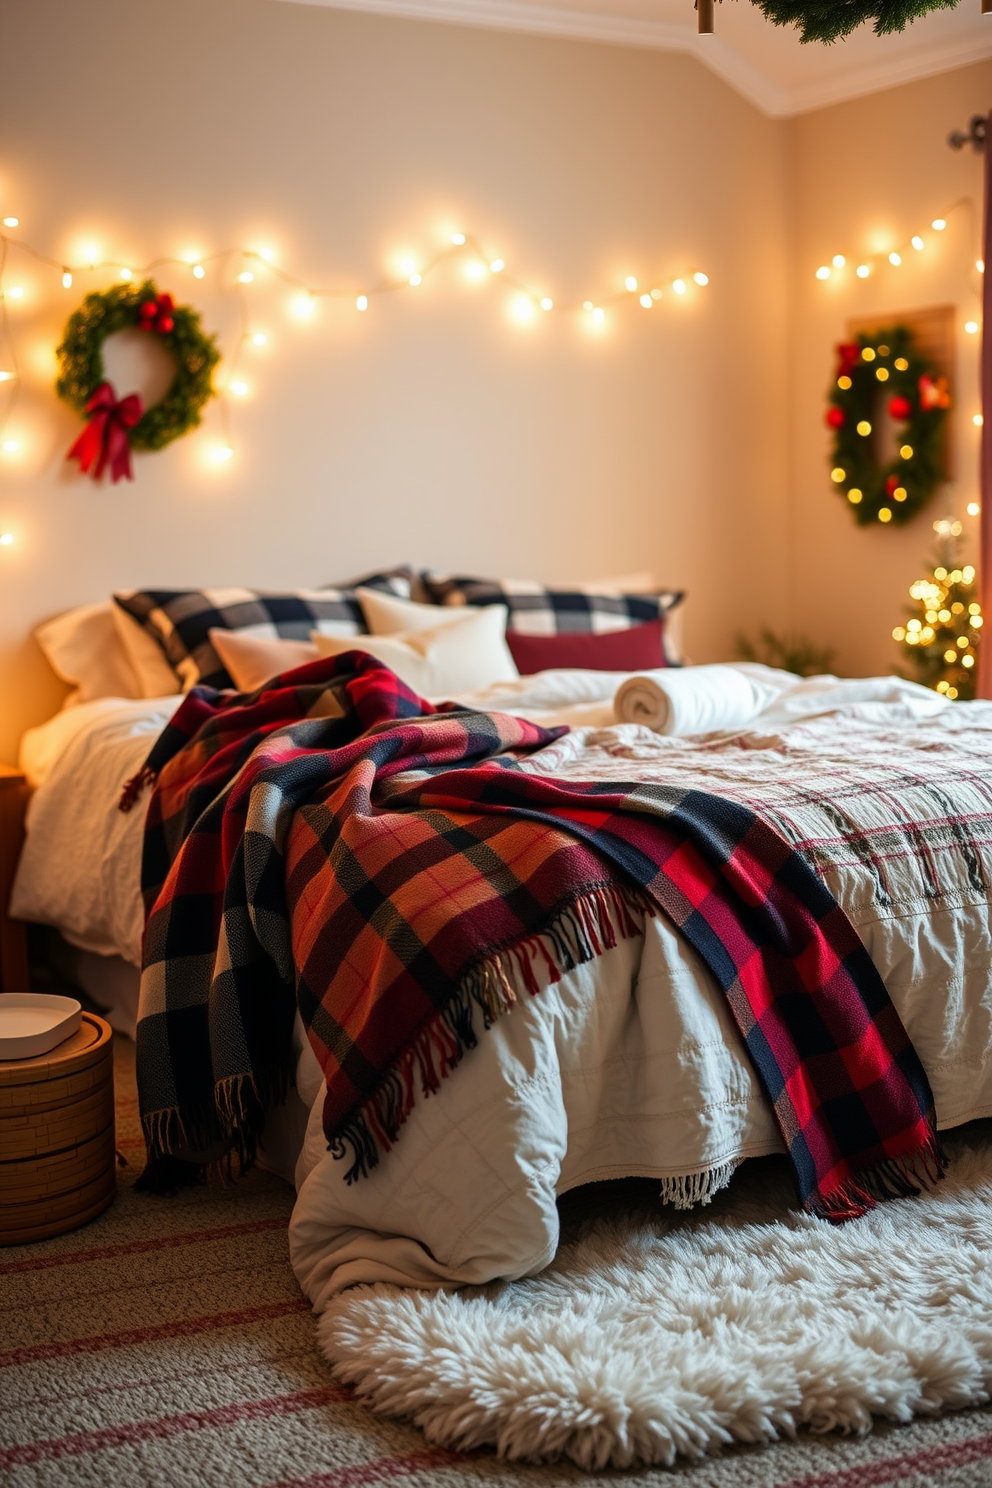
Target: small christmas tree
942 637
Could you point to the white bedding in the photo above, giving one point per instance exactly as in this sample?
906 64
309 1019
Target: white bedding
631 1064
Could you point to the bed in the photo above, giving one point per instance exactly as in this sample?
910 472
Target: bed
630 1064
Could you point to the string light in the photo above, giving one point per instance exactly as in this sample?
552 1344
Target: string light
223 452
977 420
6 538
885 514
980 265
599 314
864 428
415 279
66 279
895 259
646 301
973 508
11 222
362 302
198 271
259 338
838 260
938 224
656 294
10 446
497 266
679 286
895 256
458 239
547 303
240 389
701 279
16 293
971 326
917 242
246 277
7 376
267 254
630 284
906 451
862 271
303 306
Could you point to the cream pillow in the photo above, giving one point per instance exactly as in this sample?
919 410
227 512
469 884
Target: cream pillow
252 660
385 614
451 658
155 676
83 648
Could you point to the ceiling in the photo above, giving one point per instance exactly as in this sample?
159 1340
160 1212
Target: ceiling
767 63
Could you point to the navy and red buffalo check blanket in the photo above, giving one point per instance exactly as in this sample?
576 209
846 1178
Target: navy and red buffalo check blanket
334 842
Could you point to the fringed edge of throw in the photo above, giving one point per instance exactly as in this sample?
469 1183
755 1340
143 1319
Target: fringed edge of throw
895 1178
580 931
697 1188
132 788
182 1147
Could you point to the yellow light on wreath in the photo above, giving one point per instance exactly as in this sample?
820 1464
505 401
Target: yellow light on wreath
901 364
844 383
882 373
838 475
885 514
864 427
900 493
906 451
854 496
868 354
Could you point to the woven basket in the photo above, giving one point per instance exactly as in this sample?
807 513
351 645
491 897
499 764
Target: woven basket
57 1136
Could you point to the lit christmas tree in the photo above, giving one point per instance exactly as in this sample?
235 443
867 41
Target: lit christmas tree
942 637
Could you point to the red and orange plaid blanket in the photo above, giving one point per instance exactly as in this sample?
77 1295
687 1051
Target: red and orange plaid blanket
335 843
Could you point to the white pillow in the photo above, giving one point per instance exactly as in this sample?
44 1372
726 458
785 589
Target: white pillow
450 658
385 615
155 676
83 648
252 660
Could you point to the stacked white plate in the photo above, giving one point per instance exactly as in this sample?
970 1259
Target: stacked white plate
32 1023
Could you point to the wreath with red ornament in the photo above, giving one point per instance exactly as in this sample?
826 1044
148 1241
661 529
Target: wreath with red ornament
880 373
115 426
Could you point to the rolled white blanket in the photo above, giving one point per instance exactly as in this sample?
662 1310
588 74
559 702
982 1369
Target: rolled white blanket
694 700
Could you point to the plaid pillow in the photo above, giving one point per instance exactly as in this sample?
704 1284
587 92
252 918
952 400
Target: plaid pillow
180 619
537 610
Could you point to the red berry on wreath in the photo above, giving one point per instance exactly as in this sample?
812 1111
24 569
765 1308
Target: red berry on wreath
891 484
836 417
164 324
900 407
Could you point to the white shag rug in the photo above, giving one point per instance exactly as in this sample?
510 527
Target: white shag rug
654 1334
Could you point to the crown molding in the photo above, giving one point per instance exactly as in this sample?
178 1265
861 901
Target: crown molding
666 36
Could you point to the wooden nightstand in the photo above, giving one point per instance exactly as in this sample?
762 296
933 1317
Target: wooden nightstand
13 934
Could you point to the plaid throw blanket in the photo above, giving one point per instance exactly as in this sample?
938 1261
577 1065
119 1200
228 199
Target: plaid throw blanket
337 838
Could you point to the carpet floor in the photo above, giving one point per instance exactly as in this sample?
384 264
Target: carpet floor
167 1343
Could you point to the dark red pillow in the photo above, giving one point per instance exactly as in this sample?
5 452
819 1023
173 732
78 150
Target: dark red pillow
638 649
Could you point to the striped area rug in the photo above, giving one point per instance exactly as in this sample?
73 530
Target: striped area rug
167 1344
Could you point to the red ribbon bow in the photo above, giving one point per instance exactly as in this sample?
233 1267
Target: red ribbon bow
848 355
156 315
105 439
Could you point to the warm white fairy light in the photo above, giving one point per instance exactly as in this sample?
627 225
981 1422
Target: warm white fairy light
198 271
239 389
10 446
547 303
980 265
458 239
971 326
415 279
303 306
362 302
259 338
223 452
938 224
823 272
679 286
523 307
16 293
92 255
895 259
656 294
977 420
66 279
7 376
11 222
497 266
6 538
973 508
598 314
630 284
646 301
126 275
246 277
862 271
917 242
267 254
701 279
838 260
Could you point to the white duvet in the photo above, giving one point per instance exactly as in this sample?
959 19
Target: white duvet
630 1065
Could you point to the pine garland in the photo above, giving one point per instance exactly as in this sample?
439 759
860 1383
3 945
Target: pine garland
828 20
101 314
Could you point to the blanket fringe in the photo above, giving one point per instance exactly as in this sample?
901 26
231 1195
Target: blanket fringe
580 930
207 1140
696 1188
133 787
893 1178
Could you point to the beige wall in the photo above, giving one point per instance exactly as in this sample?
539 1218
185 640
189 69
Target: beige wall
431 429
866 176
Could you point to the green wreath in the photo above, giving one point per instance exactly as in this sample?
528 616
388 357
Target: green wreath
887 365
101 314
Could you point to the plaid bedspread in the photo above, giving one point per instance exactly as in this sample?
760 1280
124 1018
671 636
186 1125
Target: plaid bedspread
336 843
